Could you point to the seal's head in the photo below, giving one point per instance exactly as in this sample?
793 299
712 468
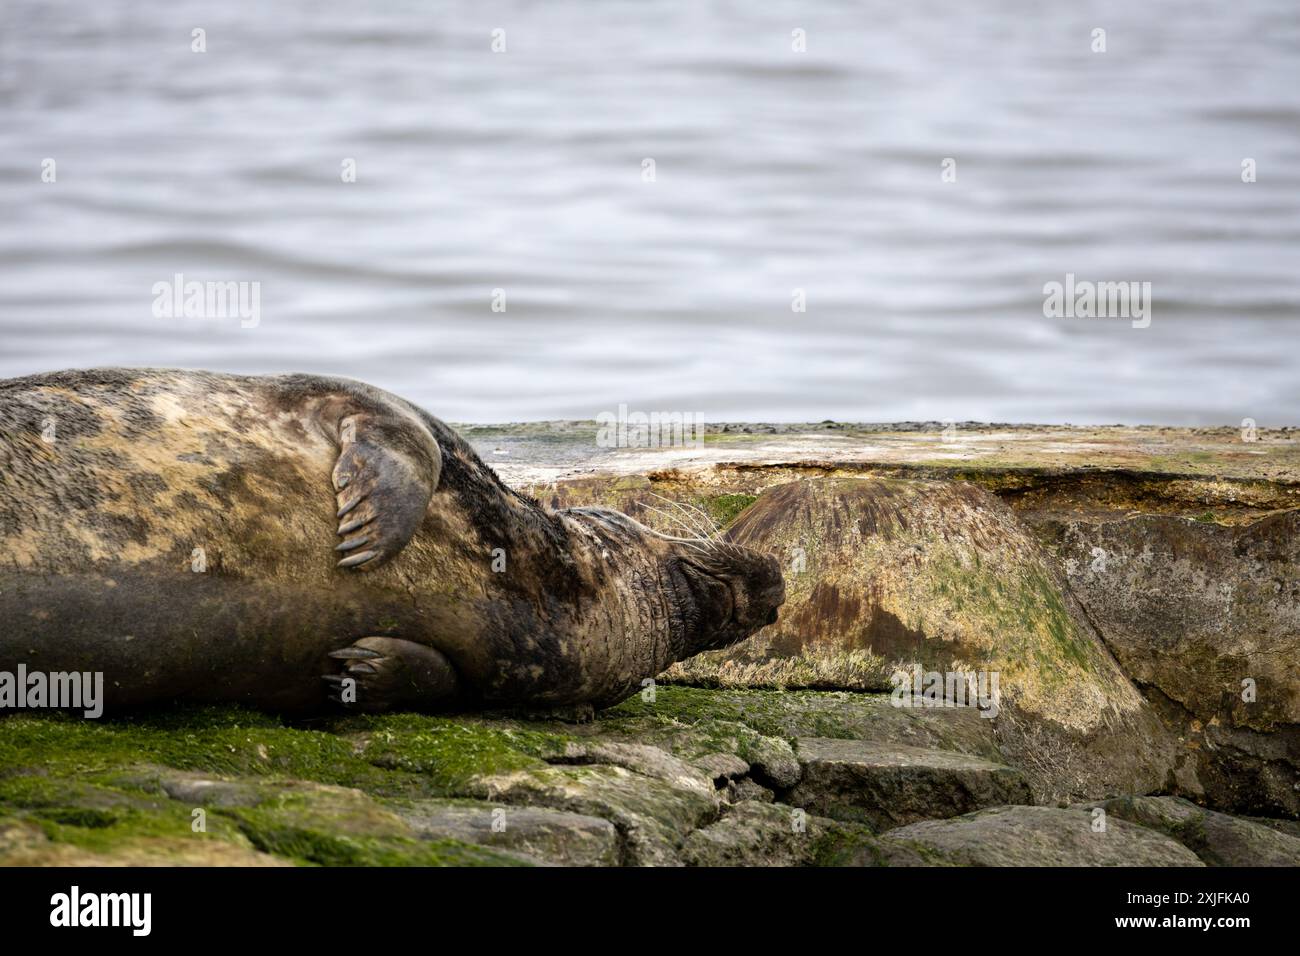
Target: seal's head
715 593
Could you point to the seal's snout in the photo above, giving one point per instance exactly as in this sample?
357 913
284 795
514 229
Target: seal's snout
734 591
715 592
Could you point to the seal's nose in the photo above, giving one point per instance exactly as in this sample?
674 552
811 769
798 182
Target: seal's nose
771 588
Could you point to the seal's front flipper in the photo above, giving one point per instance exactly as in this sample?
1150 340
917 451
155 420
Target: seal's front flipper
385 475
388 673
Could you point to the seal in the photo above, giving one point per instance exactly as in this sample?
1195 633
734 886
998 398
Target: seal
279 541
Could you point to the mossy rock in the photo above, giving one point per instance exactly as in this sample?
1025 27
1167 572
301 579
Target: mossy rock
341 827
888 576
656 780
888 785
24 843
936 574
355 790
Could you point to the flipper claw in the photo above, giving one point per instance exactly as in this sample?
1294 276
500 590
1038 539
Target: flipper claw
389 463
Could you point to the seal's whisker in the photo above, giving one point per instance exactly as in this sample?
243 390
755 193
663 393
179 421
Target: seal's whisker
674 520
690 514
678 519
728 547
705 518
667 516
692 543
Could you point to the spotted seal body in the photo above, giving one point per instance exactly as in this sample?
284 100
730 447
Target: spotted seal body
213 537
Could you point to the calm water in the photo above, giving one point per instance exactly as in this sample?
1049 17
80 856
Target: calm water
774 171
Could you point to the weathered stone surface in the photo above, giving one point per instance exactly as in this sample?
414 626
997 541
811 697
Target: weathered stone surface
757 723
721 767
1197 608
738 791
653 816
556 836
758 834
888 785
1289 827
1035 836
1207 617
643 759
1217 838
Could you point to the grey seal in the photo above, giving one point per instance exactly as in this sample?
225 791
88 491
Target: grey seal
281 540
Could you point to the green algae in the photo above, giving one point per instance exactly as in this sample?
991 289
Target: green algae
1027 604
234 742
89 784
338 791
449 753
224 741
320 847
724 509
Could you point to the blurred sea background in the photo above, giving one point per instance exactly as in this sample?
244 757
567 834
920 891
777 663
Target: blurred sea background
775 170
